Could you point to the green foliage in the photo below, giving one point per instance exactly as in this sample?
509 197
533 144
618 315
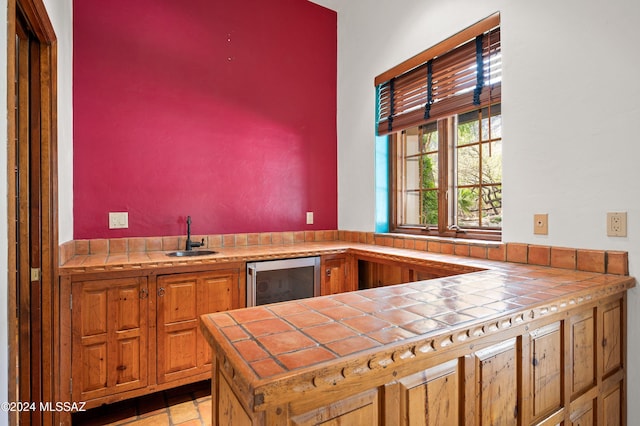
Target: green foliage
467 201
429 214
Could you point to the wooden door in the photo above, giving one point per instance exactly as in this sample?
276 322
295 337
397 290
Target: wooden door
336 275
110 336
582 357
584 414
611 354
182 298
497 384
428 398
361 409
32 208
228 410
612 335
545 365
612 406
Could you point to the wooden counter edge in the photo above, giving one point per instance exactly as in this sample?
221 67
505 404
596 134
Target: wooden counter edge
260 394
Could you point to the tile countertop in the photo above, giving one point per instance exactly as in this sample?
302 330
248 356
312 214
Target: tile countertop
266 344
159 259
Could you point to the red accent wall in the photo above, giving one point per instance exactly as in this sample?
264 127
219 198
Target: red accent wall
222 110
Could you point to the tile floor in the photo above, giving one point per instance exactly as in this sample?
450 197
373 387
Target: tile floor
188 405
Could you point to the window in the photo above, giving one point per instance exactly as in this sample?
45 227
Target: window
442 111
448 175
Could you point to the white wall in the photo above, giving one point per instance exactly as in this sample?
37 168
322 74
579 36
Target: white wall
570 139
61 16
60 13
4 314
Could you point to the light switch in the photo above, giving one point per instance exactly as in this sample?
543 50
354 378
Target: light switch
118 220
309 218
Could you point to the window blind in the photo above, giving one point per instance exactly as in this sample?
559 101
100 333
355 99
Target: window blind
452 82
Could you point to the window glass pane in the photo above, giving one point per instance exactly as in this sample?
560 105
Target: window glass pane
412 170
412 142
491 117
468 165
467 207
412 208
468 132
429 139
492 162
430 171
492 206
430 208
496 127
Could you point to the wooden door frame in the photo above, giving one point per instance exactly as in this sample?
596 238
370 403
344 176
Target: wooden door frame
44 333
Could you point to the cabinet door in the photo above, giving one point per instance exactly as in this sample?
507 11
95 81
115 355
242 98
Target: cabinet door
612 333
428 398
583 353
336 274
584 414
373 274
110 334
612 406
546 372
361 409
182 298
497 384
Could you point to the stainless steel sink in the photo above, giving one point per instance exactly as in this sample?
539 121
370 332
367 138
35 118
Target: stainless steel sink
191 253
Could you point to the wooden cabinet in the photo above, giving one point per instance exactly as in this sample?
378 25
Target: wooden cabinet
125 334
361 409
376 274
110 337
563 368
582 352
613 406
544 371
181 299
497 384
429 397
337 274
611 340
373 272
584 414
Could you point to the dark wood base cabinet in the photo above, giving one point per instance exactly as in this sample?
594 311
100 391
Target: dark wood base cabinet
127 334
565 368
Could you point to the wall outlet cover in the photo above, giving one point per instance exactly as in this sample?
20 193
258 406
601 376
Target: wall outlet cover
617 224
541 224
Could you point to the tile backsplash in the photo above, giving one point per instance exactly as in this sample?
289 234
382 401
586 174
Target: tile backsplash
602 261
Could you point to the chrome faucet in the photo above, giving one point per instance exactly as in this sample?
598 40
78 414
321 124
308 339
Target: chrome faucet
190 244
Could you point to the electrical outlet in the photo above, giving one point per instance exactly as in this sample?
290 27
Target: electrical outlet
617 224
118 220
541 224
309 218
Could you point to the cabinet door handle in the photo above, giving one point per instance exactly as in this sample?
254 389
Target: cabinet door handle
144 293
161 291
328 272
